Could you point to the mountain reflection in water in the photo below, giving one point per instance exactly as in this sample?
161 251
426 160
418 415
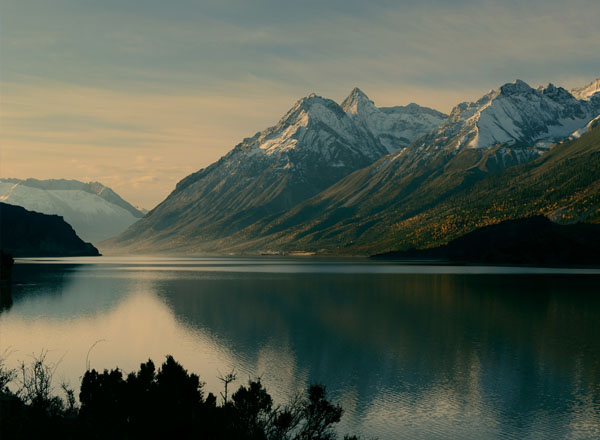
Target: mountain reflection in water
408 355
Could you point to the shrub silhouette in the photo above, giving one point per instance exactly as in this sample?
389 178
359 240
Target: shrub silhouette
104 403
319 416
169 403
250 412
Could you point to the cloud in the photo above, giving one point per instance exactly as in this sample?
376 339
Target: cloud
58 130
209 46
106 82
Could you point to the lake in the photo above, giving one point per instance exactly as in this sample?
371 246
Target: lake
409 351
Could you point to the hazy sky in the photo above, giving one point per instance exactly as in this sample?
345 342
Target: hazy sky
139 93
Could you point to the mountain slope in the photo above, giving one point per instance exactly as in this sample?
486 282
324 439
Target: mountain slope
532 240
95 211
376 209
25 233
313 146
320 178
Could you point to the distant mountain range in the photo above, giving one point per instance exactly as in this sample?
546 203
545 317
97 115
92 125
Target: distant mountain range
25 233
356 179
95 211
588 91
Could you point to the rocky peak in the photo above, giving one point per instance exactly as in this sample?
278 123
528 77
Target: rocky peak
516 87
554 92
586 92
357 101
515 115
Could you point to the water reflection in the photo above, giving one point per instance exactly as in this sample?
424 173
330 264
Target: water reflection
65 291
6 300
453 345
408 355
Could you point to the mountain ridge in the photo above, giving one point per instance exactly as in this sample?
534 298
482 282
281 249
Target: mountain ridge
588 91
94 187
95 211
395 127
312 146
561 184
509 126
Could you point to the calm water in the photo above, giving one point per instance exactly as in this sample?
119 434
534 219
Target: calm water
409 351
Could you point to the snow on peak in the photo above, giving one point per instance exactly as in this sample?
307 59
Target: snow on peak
358 93
357 101
515 87
586 92
94 216
320 124
314 124
514 115
91 187
393 127
312 106
577 133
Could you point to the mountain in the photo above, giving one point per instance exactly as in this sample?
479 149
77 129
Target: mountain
532 241
315 144
320 180
388 206
25 233
521 119
587 92
394 127
577 133
95 211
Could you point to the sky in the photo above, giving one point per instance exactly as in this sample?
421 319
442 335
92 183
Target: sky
137 94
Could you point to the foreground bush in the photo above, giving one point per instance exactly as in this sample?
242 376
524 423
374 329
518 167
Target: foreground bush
150 403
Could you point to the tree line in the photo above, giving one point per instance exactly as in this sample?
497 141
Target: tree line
164 402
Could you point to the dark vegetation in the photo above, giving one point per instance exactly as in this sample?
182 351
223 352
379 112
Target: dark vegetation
534 241
6 264
167 402
26 233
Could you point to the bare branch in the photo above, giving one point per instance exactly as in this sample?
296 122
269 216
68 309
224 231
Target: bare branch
87 357
227 379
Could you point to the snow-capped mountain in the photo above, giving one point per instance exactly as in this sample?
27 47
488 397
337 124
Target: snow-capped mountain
94 211
315 144
512 125
579 132
394 127
330 162
523 120
586 92
315 124
311 147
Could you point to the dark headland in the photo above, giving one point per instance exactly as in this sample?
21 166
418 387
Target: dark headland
26 233
527 241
